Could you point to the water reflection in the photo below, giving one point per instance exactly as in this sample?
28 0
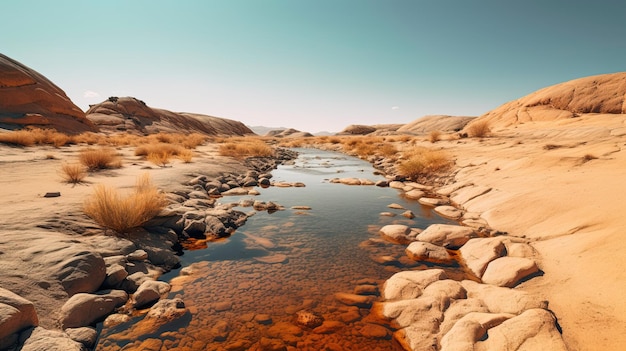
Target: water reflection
244 292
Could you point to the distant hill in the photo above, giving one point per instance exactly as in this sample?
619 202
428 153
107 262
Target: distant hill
604 93
133 115
377 129
441 123
262 130
27 98
288 133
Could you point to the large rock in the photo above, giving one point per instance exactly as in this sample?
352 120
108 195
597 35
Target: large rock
426 252
509 271
534 329
27 98
447 235
40 339
502 300
131 114
396 233
478 252
149 291
16 314
82 310
470 329
410 284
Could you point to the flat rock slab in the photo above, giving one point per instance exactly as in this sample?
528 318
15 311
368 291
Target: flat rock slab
431 201
478 252
396 233
410 284
448 212
364 301
509 271
447 235
414 194
273 259
463 195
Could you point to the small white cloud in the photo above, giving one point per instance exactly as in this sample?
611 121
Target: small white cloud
90 94
395 108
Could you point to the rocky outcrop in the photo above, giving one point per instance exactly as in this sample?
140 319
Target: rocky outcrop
595 94
133 115
378 129
27 98
288 133
439 123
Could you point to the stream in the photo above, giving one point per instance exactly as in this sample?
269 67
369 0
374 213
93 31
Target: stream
244 292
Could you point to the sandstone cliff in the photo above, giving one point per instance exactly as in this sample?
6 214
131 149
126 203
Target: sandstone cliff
27 98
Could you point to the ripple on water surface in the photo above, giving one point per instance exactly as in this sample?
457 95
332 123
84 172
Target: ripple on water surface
244 293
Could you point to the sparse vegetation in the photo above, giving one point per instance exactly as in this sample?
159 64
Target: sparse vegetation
112 210
185 155
422 162
73 173
478 129
97 159
160 159
18 138
247 147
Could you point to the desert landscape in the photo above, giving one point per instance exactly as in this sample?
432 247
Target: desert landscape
534 187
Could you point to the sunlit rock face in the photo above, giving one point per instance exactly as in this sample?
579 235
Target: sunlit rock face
601 94
27 98
133 115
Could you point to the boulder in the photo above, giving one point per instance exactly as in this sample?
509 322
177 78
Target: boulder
149 292
308 319
448 212
137 255
16 314
535 329
468 330
115 274
478 252
447 235
85 335
40 339
414 194
410 284
83 309
502 300
426 252
430 201
509 271
408 214
396 233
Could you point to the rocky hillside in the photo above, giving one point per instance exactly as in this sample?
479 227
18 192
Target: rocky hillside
27 98
288 133
441 123
378 129
595 94
133 115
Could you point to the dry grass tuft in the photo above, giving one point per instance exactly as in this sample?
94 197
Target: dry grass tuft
387 150
186 155
18 138
73 173
247 147
423 162
160 159
96 159
478 129
434 136
120 213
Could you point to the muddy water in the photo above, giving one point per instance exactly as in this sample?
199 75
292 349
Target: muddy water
244 292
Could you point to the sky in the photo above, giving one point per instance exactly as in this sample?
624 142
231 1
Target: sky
316 65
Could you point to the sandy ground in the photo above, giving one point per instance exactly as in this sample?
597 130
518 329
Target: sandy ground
561 185
32 224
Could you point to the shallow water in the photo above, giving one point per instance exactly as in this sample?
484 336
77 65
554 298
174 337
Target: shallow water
238 301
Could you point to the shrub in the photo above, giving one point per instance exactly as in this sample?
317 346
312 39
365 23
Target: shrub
96 159
253 148
478 129
159 158
434 136
18 138
120 213
185 155
387 150
423 162
73 173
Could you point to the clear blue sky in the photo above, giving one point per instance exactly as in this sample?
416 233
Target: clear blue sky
314 65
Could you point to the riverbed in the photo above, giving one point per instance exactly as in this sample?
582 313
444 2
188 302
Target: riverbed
245 291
